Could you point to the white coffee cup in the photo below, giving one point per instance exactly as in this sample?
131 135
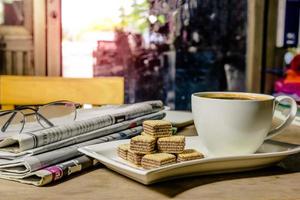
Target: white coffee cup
231 125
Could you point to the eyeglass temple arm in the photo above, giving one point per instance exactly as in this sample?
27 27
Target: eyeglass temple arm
45 120
7 123
2 113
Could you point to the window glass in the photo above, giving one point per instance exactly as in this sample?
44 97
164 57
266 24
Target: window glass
12 12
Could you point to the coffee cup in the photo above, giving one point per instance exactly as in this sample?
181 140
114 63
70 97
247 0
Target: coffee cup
236 123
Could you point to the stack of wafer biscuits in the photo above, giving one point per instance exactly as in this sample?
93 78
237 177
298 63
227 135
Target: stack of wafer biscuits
157 136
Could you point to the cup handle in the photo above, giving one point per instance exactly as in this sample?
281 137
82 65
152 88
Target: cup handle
291 116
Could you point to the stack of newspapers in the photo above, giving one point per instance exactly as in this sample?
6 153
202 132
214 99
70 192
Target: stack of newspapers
42 156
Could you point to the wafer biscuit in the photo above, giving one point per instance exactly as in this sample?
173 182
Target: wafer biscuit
160 134
156 160
173 144
142 144
134 158
157 123
189 154
146 134
157 128
123 150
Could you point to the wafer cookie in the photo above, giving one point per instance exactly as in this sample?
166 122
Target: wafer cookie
123 150
156 160
142 144
189 154
173 144
157 128
134 158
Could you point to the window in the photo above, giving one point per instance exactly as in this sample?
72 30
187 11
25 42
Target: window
12 12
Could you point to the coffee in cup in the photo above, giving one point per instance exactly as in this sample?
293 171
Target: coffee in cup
236 123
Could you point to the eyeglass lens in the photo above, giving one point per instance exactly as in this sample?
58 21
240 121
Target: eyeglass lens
12 121
57 113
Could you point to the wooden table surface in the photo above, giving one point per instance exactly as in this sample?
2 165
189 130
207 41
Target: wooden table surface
101 183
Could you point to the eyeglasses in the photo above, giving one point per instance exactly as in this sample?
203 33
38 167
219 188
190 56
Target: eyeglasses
48 115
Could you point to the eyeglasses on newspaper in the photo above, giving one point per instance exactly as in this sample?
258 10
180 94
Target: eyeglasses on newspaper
48 115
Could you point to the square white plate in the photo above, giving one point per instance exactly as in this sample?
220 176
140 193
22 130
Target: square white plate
269 153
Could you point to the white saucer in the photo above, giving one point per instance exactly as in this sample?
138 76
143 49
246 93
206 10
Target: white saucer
179 119
269 153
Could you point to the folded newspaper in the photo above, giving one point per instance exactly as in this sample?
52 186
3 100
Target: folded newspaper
31 154
53 173
33 139
56 172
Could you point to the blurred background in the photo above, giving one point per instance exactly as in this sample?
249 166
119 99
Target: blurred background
165 49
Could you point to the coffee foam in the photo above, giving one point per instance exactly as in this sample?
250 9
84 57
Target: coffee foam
235 96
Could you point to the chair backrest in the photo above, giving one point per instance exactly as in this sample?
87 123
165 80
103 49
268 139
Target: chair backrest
33 90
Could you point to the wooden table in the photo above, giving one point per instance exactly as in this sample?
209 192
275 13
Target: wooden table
101 183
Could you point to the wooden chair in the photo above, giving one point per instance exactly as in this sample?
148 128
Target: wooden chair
33 90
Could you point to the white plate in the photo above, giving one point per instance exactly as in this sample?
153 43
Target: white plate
269 153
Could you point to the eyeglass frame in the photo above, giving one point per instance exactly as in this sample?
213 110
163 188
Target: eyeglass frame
35 109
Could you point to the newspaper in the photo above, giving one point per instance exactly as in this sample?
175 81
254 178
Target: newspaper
56 172
81 138
34 139
20 168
